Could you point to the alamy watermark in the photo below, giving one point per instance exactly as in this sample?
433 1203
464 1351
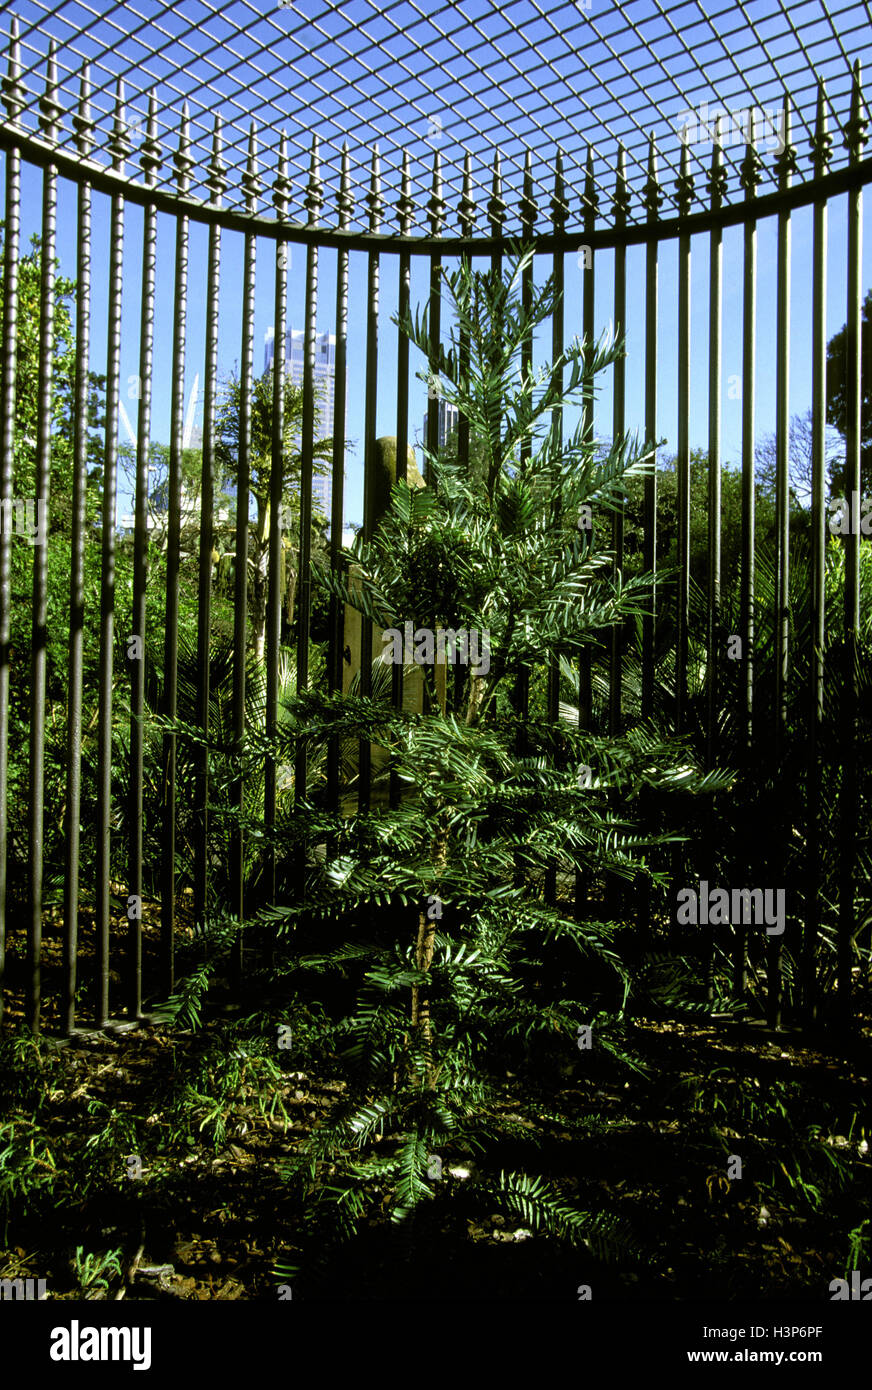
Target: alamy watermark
75 1343
860 1289
27 1290
423 646
26 516
750 125
739 906
850 518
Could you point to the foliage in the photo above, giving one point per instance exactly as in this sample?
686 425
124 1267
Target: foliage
786 1136
260 420
800 455
837 398
434 911
91 1268
667 518
57 557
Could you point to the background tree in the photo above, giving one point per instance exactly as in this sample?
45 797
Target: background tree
799 459
837 401
667 519
260 472
60 510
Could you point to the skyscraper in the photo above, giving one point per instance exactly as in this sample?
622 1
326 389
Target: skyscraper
325 382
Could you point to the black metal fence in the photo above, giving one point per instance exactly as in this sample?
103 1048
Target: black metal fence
589 231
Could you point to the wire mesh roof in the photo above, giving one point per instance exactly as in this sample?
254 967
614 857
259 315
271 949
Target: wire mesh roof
471 78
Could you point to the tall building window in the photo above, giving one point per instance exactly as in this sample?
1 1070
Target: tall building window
448 419
325 378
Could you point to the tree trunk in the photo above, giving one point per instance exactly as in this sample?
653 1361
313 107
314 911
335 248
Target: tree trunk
258 611
424 948
290 576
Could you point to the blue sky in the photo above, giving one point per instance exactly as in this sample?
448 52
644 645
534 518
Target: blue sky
230 338
422 88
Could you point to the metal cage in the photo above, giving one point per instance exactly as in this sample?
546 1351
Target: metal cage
304 127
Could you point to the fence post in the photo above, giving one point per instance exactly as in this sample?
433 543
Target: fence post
855 139
559 214
751 176
251 186
717 187
217 185
620 208
151 161
653 199
336 642
281 192
376 207
821 146
49 118
183 167
590 204
785 166
84 127
13 99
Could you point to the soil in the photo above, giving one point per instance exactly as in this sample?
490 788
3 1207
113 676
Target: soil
215 1224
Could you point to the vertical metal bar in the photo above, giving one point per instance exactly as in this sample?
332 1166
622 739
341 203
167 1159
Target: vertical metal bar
785 166
467 223
150 160
653 199
49 114
13 99
684 186
433 401
84 127
217 185
376 206
436 211
559 214
281 192
821 145
529 213
751 177
855 138
496 213
251 185
620 207
314 200
336 643
717 186
119 147
405 208
717 189
496 210
183 164
590 202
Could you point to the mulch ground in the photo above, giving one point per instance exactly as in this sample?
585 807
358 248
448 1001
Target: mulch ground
215 1223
